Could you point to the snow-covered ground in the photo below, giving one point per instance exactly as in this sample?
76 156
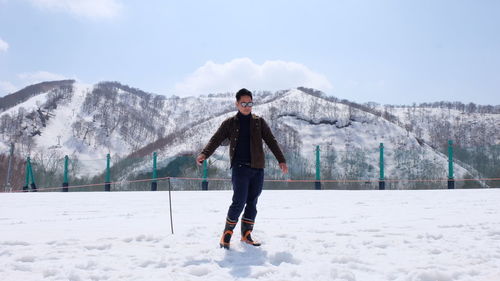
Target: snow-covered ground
427 235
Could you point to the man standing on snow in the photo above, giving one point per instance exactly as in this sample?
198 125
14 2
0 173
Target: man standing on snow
245 132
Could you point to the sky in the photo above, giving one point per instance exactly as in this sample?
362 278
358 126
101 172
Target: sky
389 52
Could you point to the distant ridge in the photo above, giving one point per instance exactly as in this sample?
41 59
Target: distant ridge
30 91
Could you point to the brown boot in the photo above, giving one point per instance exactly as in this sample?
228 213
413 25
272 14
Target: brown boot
228 232
246 232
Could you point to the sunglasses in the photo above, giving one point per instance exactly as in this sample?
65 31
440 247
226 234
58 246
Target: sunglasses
246 104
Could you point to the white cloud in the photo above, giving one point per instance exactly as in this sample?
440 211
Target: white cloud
93 9
243 73
3 46
39 76
7 88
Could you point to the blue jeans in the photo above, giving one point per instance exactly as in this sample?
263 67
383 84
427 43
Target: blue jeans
247 186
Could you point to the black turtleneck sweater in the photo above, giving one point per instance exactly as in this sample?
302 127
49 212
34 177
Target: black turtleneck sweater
242 153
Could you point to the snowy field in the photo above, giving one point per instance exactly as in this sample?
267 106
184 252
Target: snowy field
439 235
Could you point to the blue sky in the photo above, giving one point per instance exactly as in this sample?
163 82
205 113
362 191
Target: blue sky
390 52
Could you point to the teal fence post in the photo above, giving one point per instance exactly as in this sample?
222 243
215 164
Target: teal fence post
32 176
65 181
381 179
154 183
204 183
107 183
451 180
26 185
317 183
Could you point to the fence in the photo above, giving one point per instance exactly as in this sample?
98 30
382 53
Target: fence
326 167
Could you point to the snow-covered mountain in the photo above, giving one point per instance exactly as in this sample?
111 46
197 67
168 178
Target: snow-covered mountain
349 139
90 121
86 122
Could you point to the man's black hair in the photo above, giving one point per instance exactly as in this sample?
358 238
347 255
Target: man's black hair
243 92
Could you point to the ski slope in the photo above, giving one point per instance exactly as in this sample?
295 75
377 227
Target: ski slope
424 235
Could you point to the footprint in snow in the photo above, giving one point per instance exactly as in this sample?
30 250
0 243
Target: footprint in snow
434 236
15 243
6 253
26 259
198 270
435 252
281 257
146 263
128 240
140 238
371 230
50 273
98 247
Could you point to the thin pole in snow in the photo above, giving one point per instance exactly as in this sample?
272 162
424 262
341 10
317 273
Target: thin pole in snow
170 204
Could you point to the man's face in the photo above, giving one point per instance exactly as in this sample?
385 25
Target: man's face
244 110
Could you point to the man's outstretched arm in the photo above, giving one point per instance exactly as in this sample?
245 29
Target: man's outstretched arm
214 142
271 142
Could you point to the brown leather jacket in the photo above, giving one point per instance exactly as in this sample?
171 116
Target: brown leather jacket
259 130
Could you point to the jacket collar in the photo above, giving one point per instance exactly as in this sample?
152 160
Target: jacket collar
237 114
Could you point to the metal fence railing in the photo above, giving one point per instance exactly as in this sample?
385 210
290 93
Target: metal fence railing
418 167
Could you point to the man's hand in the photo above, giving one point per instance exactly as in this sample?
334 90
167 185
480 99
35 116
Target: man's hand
200 159
284 168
